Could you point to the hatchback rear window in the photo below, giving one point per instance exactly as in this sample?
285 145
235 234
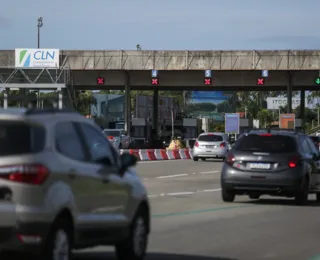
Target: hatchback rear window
267 144
210 138
19 138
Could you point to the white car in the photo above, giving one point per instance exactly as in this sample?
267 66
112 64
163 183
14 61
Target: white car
118 138
211 145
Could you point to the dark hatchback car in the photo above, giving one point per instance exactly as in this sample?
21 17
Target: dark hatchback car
271 162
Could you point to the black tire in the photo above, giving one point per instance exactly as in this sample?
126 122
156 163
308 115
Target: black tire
301 197
60 233
318 196
195 159
254 197
227 196
129 249
203 159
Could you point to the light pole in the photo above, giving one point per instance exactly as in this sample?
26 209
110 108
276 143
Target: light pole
40 24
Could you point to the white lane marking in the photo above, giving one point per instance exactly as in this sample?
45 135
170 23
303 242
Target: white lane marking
209 172
212 190
172 176
156 161
180 193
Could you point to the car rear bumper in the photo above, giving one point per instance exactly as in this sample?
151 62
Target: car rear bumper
240 182
24 237
208 152
16 235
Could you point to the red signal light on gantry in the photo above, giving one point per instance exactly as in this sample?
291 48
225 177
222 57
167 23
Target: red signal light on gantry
260 81
207 81
154 81
100 80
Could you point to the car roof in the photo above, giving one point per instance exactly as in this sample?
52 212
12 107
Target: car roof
213 133
110 129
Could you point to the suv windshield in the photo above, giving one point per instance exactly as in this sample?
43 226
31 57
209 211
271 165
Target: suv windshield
210 138
268 144
19 138
112 133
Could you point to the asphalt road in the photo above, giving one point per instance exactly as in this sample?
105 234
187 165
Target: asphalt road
190 222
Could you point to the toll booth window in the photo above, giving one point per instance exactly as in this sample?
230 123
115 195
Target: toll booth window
190 132
138 131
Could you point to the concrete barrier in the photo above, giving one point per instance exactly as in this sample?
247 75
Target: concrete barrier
160 154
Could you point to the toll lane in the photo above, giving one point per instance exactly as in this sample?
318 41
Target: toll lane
190 221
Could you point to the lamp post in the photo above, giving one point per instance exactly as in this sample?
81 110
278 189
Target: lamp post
40 24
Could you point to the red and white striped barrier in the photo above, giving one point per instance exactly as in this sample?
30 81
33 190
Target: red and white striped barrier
160 154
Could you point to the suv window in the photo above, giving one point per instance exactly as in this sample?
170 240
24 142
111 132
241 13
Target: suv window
68 141
268 144
314 149
210 138
20 138
98 145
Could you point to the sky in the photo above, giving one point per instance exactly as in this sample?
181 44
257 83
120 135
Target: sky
161 25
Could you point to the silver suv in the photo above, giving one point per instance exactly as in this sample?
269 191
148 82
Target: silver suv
63 186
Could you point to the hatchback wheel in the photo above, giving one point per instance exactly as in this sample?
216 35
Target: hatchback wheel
227 196
135 246
318 196
301 197
195 159
58 245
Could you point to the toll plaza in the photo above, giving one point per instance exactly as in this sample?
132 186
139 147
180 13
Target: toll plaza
169 70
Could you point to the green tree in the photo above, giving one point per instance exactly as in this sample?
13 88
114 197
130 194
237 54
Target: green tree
265 117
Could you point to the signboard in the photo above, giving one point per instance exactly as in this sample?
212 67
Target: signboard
37 58
287 121
277 102
265 73
232 123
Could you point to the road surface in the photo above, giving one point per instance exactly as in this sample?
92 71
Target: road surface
190 222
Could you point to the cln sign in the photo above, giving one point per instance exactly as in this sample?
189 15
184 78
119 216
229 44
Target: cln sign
37 58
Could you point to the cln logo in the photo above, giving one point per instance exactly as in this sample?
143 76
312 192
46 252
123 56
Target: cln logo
37 58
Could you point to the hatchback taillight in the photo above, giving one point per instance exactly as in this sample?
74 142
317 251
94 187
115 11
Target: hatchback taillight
293 162
196 144
222 145
34 174
230 159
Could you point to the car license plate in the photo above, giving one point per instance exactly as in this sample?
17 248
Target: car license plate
264 166
209 146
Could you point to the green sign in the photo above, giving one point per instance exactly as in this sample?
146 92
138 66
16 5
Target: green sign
317 81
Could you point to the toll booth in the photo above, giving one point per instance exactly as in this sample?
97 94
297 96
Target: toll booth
191 128
141 130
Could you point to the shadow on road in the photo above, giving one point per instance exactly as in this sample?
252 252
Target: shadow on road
150 256
282 202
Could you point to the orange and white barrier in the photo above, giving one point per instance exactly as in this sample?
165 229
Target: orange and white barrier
160 154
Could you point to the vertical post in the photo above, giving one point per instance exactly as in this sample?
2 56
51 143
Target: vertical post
5 99
127 104
289 93
302 106
318 116
38 37
172 123
155 110
60 99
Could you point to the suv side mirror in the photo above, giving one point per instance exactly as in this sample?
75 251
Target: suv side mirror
127 160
